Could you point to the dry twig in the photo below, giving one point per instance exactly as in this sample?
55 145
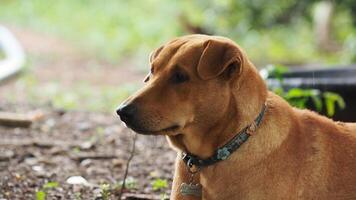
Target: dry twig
129 196
132 152
82 156
19 120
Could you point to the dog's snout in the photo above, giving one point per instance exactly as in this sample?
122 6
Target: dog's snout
126 112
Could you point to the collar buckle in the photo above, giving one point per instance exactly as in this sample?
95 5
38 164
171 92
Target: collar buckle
191 163
252 128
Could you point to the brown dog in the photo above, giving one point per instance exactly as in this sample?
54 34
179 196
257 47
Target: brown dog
202 92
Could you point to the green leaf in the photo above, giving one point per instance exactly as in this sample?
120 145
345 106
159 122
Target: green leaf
295 92
158 184
40 195
50 185
331 99
298 102
277 71
317 102
105 191
330 109
340 102
105 186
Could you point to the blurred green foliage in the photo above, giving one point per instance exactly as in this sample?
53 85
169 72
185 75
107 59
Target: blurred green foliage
299 97
277 31
50 185
42 193
111 28
159 184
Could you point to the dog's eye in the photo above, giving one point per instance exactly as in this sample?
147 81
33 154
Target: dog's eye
179 77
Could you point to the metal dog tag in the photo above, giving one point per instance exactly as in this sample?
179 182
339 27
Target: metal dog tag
191 189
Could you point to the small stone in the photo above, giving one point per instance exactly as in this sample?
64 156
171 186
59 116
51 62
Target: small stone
6 155
37 168
83 126
86 162
77 180
86 145
31 161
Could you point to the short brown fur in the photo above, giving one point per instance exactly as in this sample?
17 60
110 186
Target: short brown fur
295 154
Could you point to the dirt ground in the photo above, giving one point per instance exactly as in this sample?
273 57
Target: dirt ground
64 144
92 145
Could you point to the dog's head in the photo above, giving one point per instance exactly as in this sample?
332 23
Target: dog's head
189 86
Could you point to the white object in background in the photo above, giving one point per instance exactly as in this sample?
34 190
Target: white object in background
14 54
77 180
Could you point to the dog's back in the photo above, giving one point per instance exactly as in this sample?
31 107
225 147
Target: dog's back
330 165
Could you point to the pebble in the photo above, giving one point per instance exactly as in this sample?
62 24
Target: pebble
83 126
37 168
6 155
77 180
86 162
31 161
86 145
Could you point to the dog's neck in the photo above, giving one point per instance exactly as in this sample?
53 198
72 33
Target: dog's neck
244 107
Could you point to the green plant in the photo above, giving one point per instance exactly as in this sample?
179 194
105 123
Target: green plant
299 97
105 191
42 193
50 185
330 100
159 184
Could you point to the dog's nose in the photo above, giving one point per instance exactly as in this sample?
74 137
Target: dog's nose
126 112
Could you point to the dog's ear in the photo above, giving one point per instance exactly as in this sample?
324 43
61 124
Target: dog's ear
154 54
151 57
218 57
